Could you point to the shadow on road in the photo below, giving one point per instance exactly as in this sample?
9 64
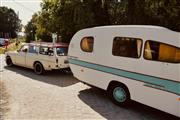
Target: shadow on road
97 99
55 77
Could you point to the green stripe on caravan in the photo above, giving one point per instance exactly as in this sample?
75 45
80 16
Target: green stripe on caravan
168 85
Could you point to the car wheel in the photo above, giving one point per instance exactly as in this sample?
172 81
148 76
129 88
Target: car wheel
119 94
38 68
9 61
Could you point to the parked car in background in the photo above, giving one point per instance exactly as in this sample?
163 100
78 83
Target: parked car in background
40 56
3 41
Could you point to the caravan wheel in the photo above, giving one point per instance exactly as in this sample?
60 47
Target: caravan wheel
119 94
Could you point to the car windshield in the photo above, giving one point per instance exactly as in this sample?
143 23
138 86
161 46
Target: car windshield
62 51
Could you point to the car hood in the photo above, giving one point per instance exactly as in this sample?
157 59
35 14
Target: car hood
11 52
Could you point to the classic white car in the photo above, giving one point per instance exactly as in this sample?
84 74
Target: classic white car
39 56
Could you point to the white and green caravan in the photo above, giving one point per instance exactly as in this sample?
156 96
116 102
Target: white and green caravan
140 63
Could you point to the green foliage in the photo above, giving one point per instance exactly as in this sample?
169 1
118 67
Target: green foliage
117 12
66 17
164 13
1 50
30 29
9 23
11 47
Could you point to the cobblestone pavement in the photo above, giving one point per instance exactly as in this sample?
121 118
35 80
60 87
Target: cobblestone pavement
57 95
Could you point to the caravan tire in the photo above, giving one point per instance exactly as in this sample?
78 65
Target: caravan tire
119 94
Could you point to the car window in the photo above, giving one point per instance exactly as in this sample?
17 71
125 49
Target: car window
24 48
33 49
44 50
62 51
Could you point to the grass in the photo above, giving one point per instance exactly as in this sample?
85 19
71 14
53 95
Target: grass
1 50
14 46
3 100
11 47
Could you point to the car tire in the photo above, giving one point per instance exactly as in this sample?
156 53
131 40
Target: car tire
38 68
119 94
9 61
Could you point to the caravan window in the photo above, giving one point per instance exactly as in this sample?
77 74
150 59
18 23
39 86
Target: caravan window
127 47
161 52
87 44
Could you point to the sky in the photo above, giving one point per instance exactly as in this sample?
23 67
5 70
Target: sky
26 8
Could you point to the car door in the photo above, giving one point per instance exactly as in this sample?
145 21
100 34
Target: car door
21 56
46 57
62 57
31 55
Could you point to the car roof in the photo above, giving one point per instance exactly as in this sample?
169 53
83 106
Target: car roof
48 44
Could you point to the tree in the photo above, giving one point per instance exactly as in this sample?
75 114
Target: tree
44 27
66 17
9 23
30 29
117 12
164 13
